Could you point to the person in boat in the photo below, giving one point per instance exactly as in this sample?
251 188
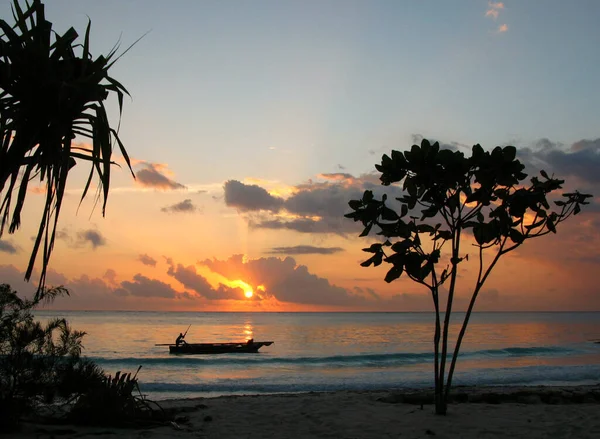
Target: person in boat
180 340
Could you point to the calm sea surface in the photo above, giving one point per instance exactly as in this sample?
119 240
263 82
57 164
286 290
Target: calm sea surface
334 351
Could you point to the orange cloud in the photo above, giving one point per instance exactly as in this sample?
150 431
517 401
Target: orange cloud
38 190
502 28
337 176
494 9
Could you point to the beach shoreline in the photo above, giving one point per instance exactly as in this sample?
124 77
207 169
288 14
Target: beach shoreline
532 412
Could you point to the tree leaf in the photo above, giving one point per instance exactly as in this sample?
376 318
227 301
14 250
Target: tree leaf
355 204
535 225
510 152
550 225
403 210
388 214
374 248
410 187
444 234
394 273
369 261
366 230
425 228
478 233
429 212
516 236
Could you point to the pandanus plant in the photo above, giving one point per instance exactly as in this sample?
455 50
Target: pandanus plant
52 91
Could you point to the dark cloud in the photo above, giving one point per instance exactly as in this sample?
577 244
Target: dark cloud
10 275
110 275
373 293
318 207
63 234
412 301
53 277
147 260
491 295
7 247
586 144
121 292
454 146
184 206
90 236
106 293
323 199
151 176
250 197
369 292
286 281
305 250
315 207
84 293
94 291
141 286
339 226
340 167
190 279
581 159
300 286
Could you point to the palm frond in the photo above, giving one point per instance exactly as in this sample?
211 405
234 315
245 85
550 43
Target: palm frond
48 96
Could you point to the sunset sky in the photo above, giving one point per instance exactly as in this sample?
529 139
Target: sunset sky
253 123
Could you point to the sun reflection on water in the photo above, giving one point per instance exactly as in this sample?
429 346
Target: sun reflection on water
248 330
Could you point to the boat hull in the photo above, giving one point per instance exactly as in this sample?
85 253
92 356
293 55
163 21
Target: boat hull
218 348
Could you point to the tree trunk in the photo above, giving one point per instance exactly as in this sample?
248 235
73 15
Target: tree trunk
441 404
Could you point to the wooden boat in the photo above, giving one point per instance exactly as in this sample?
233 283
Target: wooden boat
218 348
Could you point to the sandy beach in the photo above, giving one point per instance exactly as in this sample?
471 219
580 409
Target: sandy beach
557 412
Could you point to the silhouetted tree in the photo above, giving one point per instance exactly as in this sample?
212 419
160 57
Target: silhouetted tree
483 196
48 96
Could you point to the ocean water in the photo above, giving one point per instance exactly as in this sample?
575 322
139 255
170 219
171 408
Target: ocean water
337 351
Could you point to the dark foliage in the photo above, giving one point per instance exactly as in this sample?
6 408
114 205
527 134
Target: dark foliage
447 195
115 401
35 358
41 368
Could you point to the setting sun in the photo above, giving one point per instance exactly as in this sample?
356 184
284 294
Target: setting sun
248 293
